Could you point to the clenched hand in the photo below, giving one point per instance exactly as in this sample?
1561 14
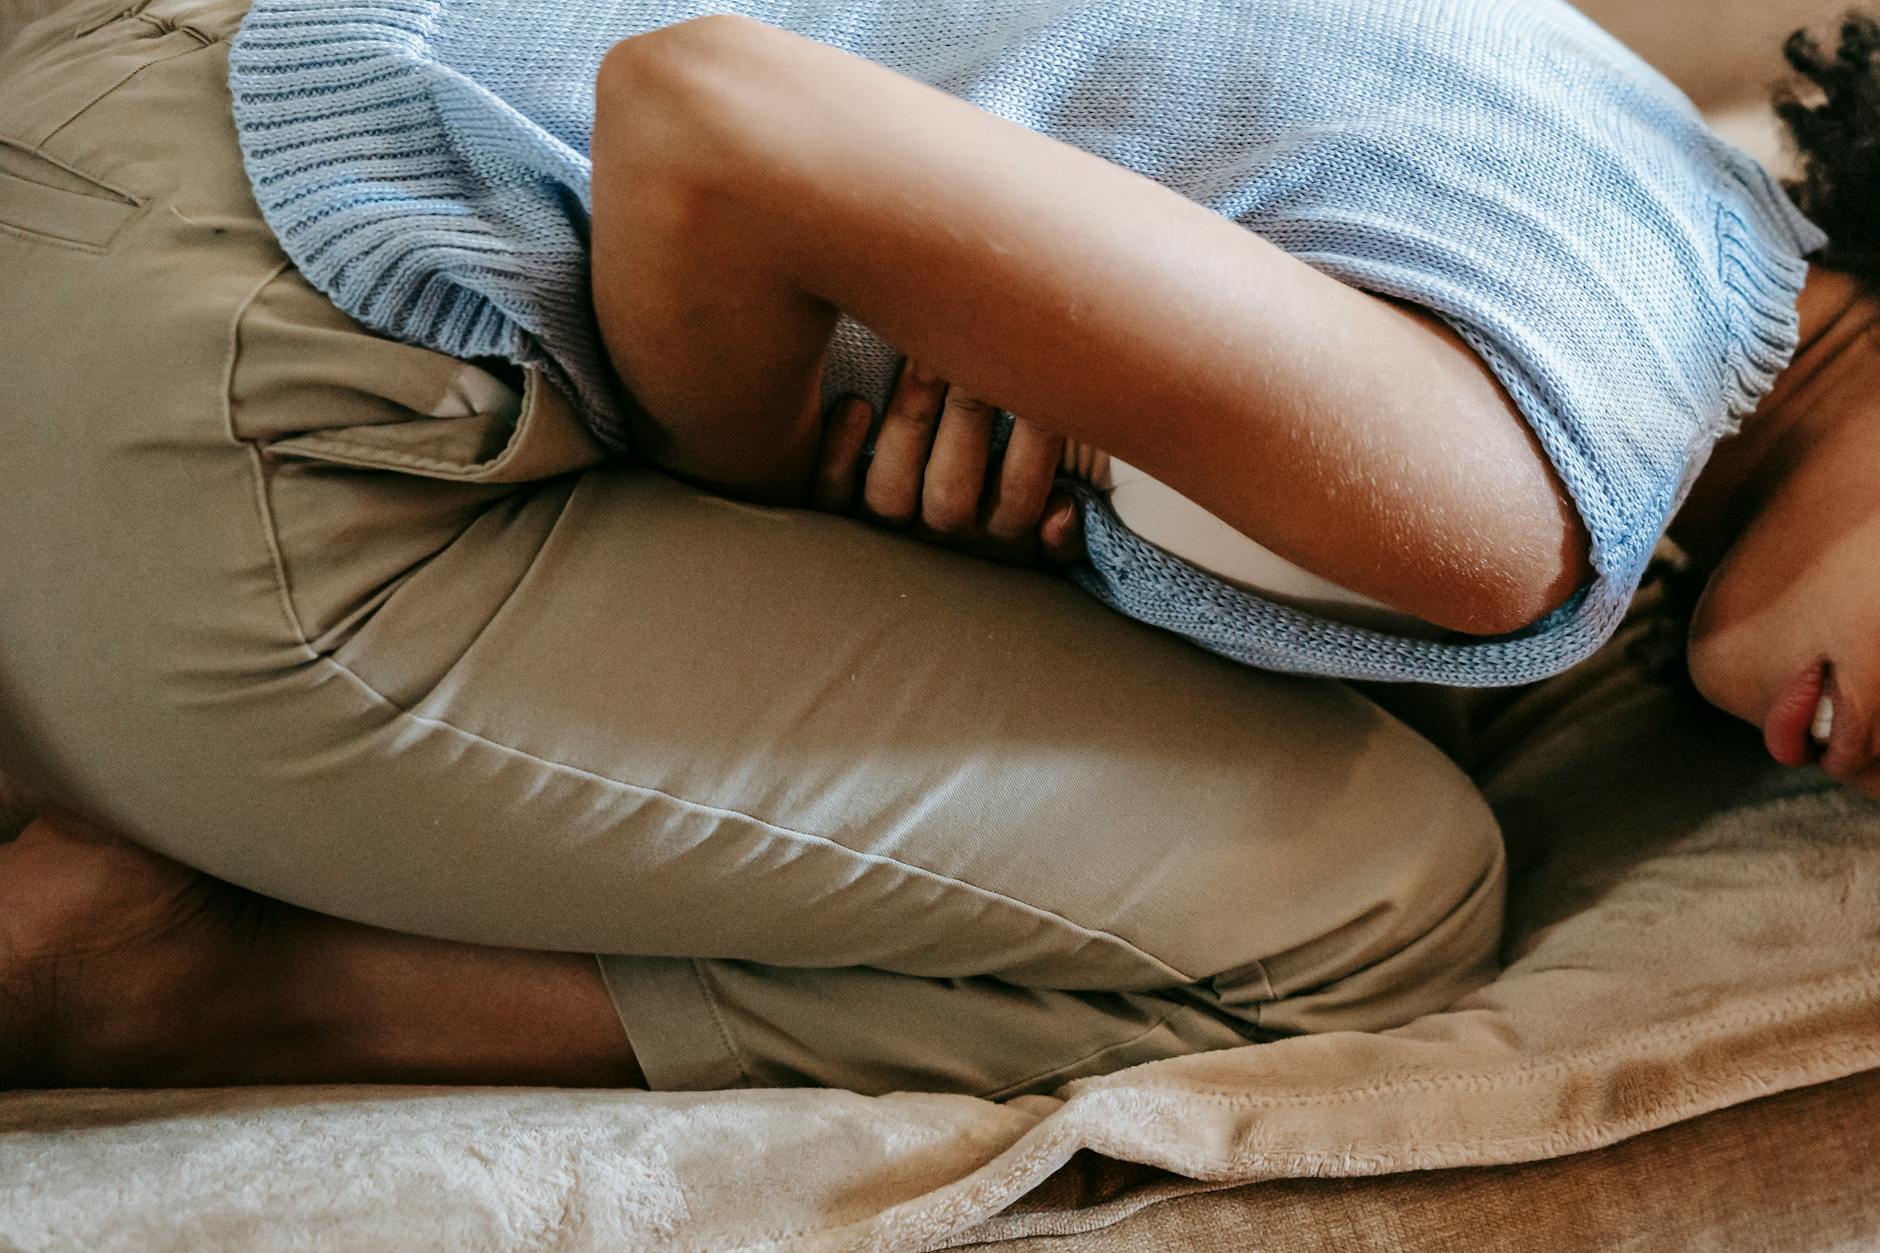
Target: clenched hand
932 475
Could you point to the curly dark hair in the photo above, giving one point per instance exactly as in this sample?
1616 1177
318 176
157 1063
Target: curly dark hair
1836 134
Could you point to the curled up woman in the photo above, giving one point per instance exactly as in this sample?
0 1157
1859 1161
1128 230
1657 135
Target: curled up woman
1357 341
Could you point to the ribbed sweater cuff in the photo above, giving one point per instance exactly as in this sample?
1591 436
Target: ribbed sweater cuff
1763 241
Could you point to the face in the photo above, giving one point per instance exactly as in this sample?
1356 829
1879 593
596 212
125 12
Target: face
1801 581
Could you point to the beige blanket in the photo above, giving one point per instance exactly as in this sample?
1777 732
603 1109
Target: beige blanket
1692 927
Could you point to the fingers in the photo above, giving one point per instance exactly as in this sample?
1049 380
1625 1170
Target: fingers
892 492
845 434
1061 534
956 469
930 468
1024 484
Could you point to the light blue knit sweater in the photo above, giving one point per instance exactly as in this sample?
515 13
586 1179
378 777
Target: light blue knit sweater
1629 276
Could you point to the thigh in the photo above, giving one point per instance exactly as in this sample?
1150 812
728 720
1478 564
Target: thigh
718 730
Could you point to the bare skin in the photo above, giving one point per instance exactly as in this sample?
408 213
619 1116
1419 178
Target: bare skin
121 968
932 475
1785 520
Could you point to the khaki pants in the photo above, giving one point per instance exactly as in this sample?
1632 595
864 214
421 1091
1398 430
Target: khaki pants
372 630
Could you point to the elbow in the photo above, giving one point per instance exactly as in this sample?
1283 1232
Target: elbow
657 142
1532 546
684 66
1507 614
1519 598
679 107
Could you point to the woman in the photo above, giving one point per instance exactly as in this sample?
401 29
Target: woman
375 1001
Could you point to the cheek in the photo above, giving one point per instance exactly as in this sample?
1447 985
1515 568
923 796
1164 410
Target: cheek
1750 629
1781 597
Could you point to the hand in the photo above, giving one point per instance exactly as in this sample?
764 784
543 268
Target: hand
931 474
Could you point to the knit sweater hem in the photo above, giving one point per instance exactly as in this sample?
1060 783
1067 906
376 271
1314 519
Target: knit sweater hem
315 112
1763 241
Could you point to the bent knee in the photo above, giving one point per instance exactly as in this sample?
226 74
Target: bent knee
1429 935
1378 902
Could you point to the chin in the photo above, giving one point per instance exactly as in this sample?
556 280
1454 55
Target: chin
1723 670
1715 685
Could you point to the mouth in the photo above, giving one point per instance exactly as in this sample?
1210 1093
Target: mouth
1850 750
1813 723
1787 725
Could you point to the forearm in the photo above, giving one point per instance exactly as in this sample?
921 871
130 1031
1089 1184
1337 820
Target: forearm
1356 438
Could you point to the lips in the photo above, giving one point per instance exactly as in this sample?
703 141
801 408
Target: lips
1785 728
1850 747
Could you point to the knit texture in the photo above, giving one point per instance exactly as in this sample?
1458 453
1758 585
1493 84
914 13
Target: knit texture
1628 275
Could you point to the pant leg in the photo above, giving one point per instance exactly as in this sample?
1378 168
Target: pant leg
350 624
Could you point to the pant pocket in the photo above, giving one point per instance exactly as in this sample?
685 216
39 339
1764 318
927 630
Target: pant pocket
311 384
50 202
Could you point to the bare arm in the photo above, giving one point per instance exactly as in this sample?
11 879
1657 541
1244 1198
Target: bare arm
749 182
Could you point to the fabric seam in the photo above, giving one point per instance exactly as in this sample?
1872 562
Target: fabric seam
718 1021
1180 978
122 15
264 512
137 205
113 88
265 520
363 452
1043 1075
73 245
1684 1030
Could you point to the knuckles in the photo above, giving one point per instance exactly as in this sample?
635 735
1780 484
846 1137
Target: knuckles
889 504
950 511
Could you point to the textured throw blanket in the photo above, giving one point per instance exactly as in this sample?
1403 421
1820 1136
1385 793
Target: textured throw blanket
1629 276
1691 926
